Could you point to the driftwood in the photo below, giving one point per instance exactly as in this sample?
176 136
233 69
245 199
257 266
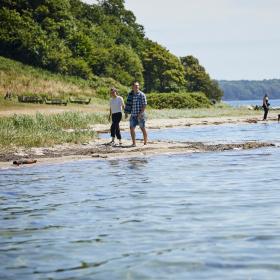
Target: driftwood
80 100
24 161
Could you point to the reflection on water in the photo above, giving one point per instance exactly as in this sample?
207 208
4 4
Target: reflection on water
193 216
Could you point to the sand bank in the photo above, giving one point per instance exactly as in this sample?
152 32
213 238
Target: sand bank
99 148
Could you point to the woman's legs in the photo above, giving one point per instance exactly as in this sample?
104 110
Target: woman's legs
115 127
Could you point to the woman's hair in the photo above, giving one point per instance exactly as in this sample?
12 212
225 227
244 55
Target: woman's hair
114 90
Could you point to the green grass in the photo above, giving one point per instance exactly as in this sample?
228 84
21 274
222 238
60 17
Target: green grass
47 130
218 110
23 79
42 130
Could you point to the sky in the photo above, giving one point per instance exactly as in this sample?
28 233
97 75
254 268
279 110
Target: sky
233 39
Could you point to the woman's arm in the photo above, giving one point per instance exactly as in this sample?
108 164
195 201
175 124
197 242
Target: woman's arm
110 114
123 105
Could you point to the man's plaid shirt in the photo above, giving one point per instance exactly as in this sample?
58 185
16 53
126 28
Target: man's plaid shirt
138 102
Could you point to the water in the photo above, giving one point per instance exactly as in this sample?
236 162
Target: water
189 216
233 133
238 103
214 134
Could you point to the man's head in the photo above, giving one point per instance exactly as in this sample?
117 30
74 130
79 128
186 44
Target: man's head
135 86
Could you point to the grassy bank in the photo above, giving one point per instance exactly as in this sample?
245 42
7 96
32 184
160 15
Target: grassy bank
23 79
42 130
46 130
22 126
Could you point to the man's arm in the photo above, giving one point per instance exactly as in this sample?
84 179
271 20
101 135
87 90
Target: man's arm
144 104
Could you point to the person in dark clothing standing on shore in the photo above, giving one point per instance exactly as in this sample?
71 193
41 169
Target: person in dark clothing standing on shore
265 106
116 107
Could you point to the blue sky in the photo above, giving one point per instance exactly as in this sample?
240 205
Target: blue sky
233 39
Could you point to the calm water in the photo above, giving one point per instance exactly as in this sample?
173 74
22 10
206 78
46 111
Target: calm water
238 103
212 134
198 216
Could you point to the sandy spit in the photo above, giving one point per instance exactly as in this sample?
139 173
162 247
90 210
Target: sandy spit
99 148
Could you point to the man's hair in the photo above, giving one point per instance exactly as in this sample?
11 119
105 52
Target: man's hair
134 82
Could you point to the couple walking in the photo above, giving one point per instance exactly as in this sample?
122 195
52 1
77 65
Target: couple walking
135 106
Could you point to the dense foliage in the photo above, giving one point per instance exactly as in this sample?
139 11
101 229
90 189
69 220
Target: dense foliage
163 71
246 90
104 39
198 79
178 100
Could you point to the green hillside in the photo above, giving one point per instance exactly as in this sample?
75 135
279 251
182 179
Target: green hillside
101 40
21 79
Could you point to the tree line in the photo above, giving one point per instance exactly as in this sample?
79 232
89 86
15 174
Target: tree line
246 90
104 39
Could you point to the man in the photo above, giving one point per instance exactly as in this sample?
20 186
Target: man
135 106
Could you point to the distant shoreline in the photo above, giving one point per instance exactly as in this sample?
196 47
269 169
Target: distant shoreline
258 99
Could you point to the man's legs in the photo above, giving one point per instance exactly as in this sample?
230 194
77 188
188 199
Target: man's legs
132 134
145 136
133 122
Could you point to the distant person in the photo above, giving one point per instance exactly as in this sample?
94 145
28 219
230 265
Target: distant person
265 106
135 106
116 107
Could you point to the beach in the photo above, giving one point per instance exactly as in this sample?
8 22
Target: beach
100 149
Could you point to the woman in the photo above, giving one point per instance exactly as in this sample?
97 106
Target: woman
265 106
116 107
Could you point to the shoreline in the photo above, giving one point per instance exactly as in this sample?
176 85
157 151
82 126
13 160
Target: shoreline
98 149
187 122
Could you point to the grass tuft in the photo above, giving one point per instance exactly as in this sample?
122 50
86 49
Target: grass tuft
47 130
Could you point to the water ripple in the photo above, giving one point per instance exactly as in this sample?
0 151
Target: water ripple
195 216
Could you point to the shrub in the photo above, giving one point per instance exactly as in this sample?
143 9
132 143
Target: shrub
178 100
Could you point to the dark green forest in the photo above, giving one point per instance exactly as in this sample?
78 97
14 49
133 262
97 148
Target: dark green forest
246 90
100 40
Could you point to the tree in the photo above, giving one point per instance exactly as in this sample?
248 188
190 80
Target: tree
198 80
163 71
124 65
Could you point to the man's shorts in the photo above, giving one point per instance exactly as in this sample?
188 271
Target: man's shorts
134 121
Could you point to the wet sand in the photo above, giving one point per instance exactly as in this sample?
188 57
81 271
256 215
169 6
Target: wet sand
100 149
